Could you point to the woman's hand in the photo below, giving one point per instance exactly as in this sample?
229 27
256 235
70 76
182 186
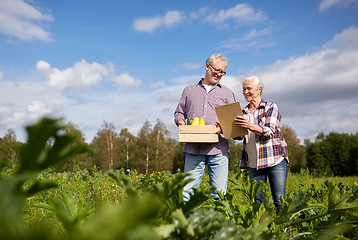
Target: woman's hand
241 121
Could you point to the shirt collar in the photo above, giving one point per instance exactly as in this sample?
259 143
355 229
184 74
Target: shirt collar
216 84
262 105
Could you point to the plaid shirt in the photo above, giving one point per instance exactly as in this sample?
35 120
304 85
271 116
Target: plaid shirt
271 145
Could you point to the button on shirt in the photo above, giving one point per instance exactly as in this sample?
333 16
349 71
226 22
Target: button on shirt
197 102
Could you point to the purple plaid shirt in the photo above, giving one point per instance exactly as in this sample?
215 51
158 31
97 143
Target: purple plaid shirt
271 145
197 102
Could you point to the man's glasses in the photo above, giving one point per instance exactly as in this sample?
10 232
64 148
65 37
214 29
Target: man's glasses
217 71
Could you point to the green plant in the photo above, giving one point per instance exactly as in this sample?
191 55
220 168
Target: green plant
36 155
82 204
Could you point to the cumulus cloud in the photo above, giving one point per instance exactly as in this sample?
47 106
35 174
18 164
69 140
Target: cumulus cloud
151 24
317 92
37 108
82 75
19 106
321 75
250 41
24 21
328 4
124 79
241 14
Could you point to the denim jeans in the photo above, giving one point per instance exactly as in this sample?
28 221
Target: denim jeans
277 176
218 168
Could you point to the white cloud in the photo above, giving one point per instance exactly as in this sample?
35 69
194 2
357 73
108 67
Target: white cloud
21 20
345 40
333 68
242 14
328 4
124 79
251 41
254 34
82 75
22 103
37 109
317 92
151 24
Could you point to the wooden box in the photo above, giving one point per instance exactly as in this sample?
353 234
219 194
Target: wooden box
198 134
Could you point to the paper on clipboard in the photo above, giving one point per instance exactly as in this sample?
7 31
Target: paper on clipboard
227 114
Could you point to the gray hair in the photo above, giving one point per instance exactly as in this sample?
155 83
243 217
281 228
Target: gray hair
257 82
214 58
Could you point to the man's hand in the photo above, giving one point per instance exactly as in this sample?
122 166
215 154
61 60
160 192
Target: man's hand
218 128
181 121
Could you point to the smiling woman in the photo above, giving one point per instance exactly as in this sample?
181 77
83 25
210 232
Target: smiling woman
264 151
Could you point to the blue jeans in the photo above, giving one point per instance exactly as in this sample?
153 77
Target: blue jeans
277 176
218 167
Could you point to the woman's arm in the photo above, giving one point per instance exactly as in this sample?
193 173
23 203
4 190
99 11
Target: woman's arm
245 123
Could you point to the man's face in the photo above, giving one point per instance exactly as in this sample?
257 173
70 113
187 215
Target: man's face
215 71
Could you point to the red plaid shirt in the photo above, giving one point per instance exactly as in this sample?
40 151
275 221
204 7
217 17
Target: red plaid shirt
271 145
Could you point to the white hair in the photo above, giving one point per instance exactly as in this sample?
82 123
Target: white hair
214 58
257 82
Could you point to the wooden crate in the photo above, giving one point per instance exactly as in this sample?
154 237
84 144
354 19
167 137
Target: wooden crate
198 134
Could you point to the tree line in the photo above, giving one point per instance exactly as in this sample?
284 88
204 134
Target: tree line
153 150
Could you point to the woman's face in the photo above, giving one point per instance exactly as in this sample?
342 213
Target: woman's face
250 91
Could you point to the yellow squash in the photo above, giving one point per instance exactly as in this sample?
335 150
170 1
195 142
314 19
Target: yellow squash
195 121
201 122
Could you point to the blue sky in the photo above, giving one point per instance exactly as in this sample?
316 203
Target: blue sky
125 62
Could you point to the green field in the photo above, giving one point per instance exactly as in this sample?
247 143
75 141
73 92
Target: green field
36 203
83 200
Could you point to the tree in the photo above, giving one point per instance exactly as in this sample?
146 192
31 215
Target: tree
144 143
296 152
316 162
178 158
8 145
334 154
127 144
337 149
106 148
163 147
83 160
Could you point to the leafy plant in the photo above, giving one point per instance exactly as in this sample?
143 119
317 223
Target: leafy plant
153 206
36 155
71 215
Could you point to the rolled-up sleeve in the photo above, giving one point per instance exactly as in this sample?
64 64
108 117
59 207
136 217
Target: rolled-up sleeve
180 111
270 121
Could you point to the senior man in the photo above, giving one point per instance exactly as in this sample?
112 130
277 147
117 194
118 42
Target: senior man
199 100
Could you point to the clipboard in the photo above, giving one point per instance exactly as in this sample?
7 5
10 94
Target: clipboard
226 115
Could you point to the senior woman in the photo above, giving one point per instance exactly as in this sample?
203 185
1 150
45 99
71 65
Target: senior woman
264 148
